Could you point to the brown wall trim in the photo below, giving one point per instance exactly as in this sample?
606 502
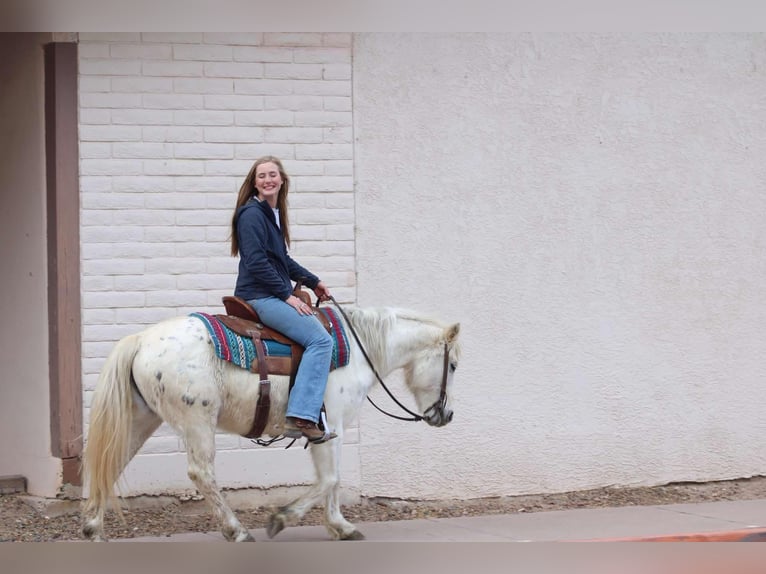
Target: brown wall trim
63 216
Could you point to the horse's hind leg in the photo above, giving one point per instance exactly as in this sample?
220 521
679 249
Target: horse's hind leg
200 446
144 423
326 458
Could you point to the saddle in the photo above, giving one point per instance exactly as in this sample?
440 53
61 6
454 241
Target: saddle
242 319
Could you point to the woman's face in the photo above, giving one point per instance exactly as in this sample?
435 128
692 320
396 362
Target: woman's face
268 182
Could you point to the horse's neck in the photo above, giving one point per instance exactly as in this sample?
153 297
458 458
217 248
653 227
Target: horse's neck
405 338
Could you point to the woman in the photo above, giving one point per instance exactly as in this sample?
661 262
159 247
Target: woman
261 236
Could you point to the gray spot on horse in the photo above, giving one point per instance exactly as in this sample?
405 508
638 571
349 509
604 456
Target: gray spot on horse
205 403
158 374
341 390
188 399
162 388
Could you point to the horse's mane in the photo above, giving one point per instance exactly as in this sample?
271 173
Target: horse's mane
373 325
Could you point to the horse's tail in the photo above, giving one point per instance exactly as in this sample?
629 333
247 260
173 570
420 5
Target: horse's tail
111 419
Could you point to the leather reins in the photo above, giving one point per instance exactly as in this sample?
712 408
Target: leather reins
438 405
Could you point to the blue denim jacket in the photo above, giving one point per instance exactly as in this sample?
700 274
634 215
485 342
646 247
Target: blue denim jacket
265 268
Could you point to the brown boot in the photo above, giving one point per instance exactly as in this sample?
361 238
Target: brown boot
297 428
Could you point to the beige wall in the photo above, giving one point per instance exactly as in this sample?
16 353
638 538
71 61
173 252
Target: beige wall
592 209
24 403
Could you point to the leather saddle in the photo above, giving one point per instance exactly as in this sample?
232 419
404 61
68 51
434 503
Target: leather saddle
242 319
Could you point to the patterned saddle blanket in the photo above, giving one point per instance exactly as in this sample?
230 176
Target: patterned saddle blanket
239 350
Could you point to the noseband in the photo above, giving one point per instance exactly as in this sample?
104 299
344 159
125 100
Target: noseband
431 411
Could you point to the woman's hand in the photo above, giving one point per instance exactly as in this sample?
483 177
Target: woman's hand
322 292
299 305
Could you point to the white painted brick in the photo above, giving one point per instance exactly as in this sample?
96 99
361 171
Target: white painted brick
338 167
328 264
143 85
325 248
336 279
111 234
166 430
141 150
172 37
233 70
94 84
321 216
92 367
216 200
172 167
91 150
91 350
336 72
97 283
172 68
90 217
222 265
204 151
322 87
207 183
110 133
106 333
147 217
254 151
95 183
173 134
99 316
344 295
161 445
175 200
234 168
226 442
338 135
200 249
201 281
110 167
95 117
305 168
263 87
308 233
143 316
263 118
88 50
234 38
341 232
175 265
303 200
324 151
176 298
215 297
143 117
145 282
337 39
220 233
142 183
109 67
292 39
323 56
260 54
207 217
202 52
111 200
109 36
293 71
99 100
325 183
337 103
172 101
233 102
137 252
293 135
293 103
323 119
118 299
203 118
244 134
173 234
339 200
141 51
204 85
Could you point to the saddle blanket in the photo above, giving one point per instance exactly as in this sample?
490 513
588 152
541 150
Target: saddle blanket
239 350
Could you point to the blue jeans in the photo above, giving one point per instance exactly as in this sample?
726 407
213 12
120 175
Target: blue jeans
307 394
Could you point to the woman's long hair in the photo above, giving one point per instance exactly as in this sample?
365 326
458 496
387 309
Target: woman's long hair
247 191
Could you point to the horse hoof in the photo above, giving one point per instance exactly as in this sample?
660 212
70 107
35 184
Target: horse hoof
247 538
354 535
276 525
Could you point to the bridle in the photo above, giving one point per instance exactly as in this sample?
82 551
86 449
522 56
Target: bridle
431 411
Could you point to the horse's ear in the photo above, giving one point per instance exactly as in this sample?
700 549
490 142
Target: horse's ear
452 332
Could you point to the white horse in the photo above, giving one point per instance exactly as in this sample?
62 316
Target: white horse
170 372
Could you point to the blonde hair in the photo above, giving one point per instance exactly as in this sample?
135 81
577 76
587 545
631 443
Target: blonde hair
248 191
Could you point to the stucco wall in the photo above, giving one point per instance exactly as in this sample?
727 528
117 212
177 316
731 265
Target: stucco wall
24 395
591 208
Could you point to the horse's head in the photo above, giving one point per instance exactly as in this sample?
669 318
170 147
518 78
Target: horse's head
429 377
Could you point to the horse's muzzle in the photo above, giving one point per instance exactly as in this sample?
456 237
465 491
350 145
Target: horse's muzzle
437 417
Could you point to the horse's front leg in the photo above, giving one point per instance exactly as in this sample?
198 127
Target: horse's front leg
326 459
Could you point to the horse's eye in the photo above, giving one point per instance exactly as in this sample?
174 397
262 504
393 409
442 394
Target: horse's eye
452 367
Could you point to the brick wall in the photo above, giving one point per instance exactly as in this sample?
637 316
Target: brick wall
169 127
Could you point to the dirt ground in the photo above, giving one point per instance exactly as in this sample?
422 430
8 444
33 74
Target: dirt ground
23 520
